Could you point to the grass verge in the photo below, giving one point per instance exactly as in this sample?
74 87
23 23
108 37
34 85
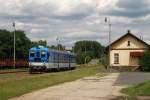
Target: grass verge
142 89
18 86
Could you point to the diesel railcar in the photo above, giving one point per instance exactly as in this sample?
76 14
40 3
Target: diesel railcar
44 59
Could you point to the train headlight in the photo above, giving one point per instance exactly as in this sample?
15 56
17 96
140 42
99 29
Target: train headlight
43 53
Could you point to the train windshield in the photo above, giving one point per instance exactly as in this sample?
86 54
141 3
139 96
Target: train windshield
43 54
32 54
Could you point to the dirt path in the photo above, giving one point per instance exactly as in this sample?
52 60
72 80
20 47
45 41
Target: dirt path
89 88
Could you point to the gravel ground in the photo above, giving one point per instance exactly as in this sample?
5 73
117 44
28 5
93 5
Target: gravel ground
88 88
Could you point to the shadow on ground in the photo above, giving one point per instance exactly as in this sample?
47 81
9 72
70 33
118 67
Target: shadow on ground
132 78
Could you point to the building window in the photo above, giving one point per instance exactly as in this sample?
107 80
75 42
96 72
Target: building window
116 58
128 43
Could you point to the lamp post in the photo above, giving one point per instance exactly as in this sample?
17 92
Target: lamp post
14 45
108 20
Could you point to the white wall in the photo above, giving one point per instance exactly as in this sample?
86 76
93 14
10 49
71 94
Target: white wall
124 57
124 50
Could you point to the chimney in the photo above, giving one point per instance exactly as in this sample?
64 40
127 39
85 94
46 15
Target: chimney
129 31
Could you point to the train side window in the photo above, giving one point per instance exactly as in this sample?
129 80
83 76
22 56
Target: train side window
54 57
60 57
51 57
32 54
65 57
72 59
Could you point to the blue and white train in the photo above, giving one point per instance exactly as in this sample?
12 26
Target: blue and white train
44 59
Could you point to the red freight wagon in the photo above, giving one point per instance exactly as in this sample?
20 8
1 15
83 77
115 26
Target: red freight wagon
9 62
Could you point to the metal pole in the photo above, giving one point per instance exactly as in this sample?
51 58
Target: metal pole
109 43
14 45
85 53
57 43
109 22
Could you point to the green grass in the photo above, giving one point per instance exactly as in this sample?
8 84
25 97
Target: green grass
18 86
142 89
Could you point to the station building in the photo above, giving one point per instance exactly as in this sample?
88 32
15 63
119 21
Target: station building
126 51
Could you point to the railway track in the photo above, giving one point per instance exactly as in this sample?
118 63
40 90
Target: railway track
12 71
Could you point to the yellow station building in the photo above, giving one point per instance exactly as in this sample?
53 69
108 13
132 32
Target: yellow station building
127 50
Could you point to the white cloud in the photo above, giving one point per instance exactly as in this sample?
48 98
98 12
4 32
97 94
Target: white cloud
73 19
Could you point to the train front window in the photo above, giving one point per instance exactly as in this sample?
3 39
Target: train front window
32 54
43 54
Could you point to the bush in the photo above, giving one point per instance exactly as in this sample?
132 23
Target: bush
88 59
103 61
81 57
145 62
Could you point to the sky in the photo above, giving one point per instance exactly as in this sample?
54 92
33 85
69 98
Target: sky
74 20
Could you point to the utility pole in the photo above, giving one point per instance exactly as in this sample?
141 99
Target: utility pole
85 53
14 45
108 20
58 42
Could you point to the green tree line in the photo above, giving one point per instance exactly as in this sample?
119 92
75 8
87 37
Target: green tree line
86 50
23 43
57 47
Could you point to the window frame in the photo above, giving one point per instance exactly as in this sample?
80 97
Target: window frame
116 58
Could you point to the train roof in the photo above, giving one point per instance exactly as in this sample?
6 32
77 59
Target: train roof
39 48
50 50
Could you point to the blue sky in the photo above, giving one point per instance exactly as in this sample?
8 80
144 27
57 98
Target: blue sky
74 20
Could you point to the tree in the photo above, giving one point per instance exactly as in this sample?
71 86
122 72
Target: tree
22 44
58 47
145 61
6 46
40 42
80 58
92 49
6 41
